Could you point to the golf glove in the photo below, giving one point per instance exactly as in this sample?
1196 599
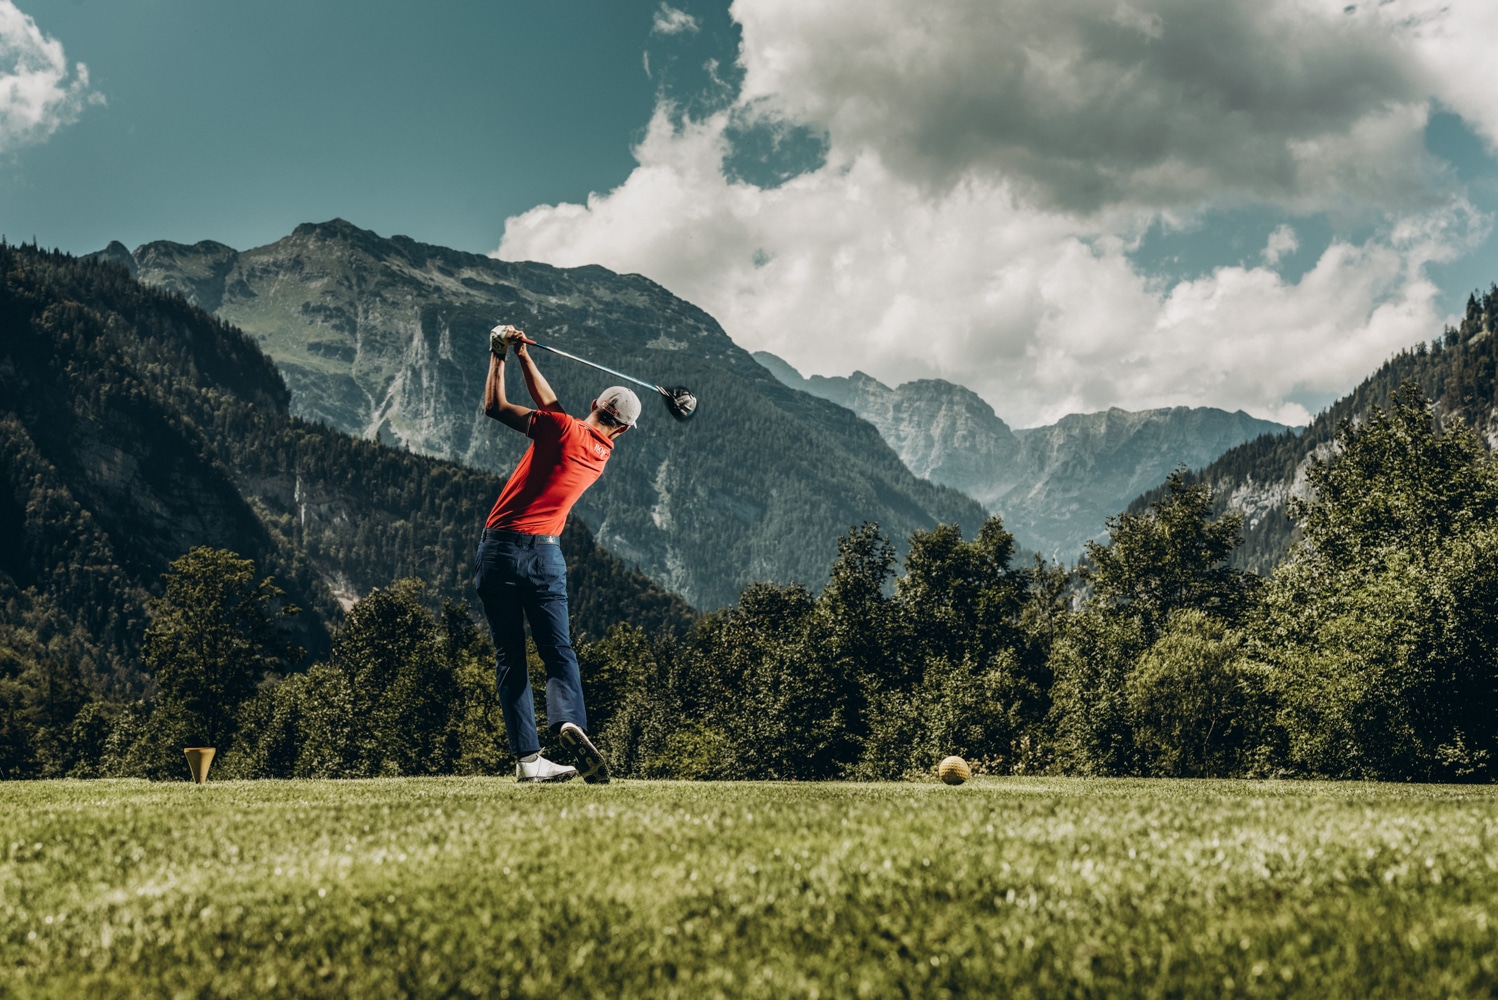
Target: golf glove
502 338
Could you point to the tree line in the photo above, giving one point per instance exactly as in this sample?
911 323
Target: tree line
1369 654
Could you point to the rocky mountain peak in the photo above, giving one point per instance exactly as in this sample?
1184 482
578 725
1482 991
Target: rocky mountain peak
1055 486
116 253
388 339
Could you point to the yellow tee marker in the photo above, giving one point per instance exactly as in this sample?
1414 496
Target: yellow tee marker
199 760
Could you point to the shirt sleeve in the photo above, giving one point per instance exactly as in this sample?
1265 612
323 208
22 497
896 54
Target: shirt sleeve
548 425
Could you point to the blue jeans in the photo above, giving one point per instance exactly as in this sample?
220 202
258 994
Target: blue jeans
518 577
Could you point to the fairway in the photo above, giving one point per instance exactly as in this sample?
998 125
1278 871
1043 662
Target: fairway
1017 887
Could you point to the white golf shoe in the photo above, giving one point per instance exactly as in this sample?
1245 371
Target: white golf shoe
538 768
590 763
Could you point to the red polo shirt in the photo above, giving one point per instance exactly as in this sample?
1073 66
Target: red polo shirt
565 457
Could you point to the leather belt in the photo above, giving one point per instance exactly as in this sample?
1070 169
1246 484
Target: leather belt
503 535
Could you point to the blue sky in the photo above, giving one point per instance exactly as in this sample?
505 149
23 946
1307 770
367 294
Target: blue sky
237 121
1162 202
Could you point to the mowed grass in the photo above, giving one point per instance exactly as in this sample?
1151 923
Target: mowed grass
1002 887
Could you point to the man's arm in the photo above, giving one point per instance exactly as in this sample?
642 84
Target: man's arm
496 405
535 382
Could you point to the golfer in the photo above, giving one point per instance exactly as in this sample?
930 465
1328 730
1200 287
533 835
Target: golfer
520 570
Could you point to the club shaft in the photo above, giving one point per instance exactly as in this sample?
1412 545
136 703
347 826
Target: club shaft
602 368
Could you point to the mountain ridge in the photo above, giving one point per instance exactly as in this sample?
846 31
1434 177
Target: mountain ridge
1055 485
388 339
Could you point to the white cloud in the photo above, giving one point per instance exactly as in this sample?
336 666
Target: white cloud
987 175
1452 44
1282 241
1090 104
670 21
38 92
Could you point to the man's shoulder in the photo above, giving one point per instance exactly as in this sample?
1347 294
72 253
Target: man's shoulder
553 421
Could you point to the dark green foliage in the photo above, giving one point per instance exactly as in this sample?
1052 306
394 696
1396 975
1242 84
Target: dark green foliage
301 727
854 682
134 427
214 637
1136 691
408 692
1171 556
976 711
963 596
792 716
1383 627
1196 705
401 680
1395 485
637 709
1091 663
40 699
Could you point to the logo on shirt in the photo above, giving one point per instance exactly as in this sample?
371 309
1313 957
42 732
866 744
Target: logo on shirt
600 451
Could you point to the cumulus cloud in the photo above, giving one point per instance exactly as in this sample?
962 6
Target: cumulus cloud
987 172
1091 104
39 92
1282 241
670 21
1452 46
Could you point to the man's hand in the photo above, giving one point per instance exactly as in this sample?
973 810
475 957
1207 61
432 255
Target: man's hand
504 337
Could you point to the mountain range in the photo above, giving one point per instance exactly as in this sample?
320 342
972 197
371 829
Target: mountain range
1055 486
387 339
134 426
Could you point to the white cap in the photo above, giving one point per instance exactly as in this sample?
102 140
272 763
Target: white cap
620 403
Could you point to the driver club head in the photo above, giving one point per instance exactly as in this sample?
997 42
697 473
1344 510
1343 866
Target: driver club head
680 400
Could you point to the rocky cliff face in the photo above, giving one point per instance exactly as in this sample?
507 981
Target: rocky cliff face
1088 466
388 339
942 432
1055 486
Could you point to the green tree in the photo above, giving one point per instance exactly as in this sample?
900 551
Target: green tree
1091 662
1167 560
644 704
1394 483
1172 555
1195 703
962 597
958 674
1383 625
779 699
401 670
217 633
301 727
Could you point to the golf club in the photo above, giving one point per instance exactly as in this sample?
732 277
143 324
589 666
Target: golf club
680 400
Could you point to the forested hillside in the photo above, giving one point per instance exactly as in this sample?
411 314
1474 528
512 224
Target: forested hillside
1458 372
134 426
388 339
141 434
